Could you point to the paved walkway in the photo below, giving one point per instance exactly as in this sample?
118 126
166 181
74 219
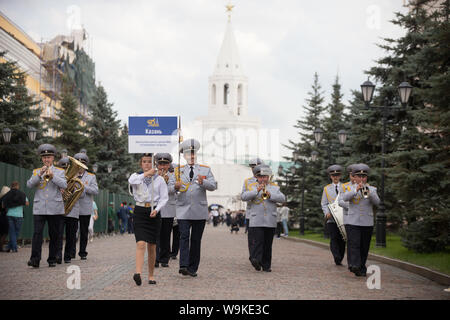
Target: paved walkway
299 271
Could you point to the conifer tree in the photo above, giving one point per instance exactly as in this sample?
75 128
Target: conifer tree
17 113
71 132
311 170
418 137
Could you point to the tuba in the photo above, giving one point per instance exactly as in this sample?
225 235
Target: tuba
75 186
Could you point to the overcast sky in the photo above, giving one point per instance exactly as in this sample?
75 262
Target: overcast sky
154 57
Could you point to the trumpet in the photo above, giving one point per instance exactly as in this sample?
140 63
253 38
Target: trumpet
365 191
264 194
164 174
47 177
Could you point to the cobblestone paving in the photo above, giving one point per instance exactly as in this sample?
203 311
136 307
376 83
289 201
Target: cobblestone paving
299 271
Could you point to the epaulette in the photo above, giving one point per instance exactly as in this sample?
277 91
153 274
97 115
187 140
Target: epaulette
327 186
90 173
274 184
202 165
59 168
35 171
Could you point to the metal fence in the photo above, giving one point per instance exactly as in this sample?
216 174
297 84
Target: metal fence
10 173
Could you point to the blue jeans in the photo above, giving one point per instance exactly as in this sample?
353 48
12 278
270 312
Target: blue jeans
285 227
123 226
15 223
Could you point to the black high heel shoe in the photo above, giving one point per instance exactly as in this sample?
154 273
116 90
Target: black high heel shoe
137 279
151 282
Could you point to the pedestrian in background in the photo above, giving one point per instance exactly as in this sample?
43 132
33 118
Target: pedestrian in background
111 217
284 210
279 225
13 202
123 216
3 219
94 217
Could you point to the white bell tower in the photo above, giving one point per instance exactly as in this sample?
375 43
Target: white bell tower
228 85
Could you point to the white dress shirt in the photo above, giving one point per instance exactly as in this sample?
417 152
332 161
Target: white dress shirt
143 192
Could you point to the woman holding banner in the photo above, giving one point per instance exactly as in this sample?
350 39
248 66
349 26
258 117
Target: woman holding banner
151 194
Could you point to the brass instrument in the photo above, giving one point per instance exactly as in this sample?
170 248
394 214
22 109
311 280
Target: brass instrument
75 186
47 177
365 191
264 194
164 174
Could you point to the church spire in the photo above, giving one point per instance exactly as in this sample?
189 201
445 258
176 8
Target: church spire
228 61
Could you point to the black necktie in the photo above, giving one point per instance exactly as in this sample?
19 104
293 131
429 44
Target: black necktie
337 191
191 173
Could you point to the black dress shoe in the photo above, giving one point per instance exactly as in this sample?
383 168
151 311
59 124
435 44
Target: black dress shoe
137 279
256 264
156 264
33 264
192 274
52 264
83 258
58 261
183 271
151 282
267 270
165 265
67 260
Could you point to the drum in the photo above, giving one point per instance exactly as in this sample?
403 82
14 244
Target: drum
338 214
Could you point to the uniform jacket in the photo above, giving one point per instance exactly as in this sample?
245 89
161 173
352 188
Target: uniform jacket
262 213
342 203
192 203
75 212
244 188
329 196
48 197
87 197
170 209
360 210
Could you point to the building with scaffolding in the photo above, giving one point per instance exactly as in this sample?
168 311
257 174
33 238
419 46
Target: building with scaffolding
46 63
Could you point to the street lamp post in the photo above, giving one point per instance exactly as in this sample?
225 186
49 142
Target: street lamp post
318 136
7 133
404 90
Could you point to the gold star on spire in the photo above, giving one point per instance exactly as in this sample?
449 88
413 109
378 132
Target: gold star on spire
229 7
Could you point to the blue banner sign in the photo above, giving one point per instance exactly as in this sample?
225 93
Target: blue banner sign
152 134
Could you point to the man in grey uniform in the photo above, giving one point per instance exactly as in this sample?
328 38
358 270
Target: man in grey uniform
86 200
359 221
263 216
48 205
192 181
329 195
168 212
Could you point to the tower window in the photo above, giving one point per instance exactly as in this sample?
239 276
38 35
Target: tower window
213 94
226 91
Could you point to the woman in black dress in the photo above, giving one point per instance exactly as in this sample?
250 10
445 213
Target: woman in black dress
150 193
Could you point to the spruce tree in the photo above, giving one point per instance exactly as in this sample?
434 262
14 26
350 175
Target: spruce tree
109 149
314 182
418 138
17 113
71 133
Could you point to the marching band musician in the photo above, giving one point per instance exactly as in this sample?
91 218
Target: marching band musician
344 204
359 222
48 205
252 163
192 181
329 195
70 223
86 199
151 195
263 216
168 212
